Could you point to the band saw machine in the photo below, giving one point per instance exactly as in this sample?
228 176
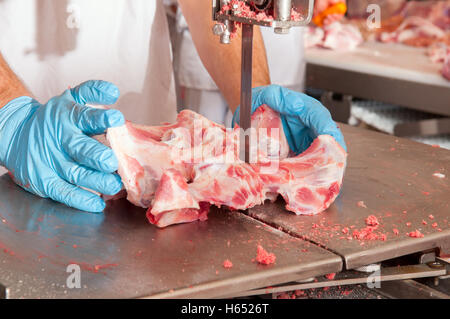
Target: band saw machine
281 15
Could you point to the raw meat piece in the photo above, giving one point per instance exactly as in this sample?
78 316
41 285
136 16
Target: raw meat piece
422 24
361 204
418 23
435 11
415 31
446 68
336 36
438 52
241 9
314 37
178 170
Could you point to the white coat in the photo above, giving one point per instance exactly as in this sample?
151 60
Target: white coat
54 44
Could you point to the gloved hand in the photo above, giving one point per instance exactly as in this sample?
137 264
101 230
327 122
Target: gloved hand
48 151
303 117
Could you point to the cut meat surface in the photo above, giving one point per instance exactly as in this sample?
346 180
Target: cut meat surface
438 52
178 170
420 23
314 37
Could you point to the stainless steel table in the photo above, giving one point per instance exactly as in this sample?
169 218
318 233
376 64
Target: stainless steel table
393 178
385 72
122 256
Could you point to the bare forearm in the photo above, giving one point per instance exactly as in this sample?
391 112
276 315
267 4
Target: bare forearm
223 62
10 85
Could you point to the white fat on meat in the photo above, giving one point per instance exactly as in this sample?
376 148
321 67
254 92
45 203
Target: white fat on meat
336 36
313 37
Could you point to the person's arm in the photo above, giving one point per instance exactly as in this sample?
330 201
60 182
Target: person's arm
10 85
223 61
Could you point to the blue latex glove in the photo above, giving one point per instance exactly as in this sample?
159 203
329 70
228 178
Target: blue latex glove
47 149
303 117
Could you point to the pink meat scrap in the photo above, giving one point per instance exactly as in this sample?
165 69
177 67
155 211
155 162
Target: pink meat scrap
414 30
446 68
336 36
178 170
440 53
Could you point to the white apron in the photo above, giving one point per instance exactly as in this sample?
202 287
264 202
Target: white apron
54 44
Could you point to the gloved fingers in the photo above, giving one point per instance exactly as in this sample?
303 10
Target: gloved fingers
269 95
279 99
88 152
108 184
95 92
94 121
299 137
73 196
315 116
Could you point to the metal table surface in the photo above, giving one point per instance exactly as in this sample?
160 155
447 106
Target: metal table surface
122 256
393 177
391 73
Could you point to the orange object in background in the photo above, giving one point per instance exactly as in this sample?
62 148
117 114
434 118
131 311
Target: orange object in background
338 8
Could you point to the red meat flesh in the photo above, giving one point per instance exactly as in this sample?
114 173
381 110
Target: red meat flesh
336 36
372 221
415 234
227 264
416 31
178 170
330 276
263 257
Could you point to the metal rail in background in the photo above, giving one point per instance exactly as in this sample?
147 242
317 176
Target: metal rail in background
413 95
418 96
